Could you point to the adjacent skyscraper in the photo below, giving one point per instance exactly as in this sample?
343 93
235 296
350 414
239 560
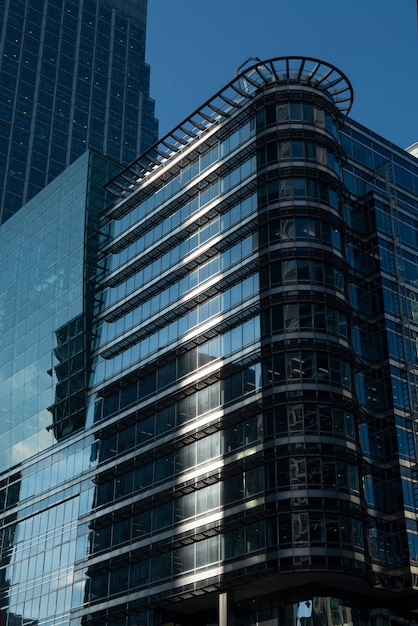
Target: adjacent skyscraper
72 76
226 429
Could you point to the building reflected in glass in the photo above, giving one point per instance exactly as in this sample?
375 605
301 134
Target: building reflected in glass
47 251
227 436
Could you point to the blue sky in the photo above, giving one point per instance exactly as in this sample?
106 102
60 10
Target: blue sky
194 46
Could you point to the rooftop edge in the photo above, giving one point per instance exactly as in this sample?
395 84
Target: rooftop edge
281 70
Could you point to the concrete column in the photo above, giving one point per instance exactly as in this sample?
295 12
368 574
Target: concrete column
226 609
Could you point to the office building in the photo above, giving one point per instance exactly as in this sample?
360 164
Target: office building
48 264
232 412
72 76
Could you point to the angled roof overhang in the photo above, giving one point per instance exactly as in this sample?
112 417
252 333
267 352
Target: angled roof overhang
281 70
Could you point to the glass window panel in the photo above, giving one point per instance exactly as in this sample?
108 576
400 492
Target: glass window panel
310 418
287 229
304 267
270 114
298 149
353 478
254 481
295 111
295 413
358 533
300 527
329 475
308 365
285 530
286 188
273 189
310 151
319 317
290 316
308 112
322 366
305 315
332 530
271 152
313 470
325 418
281 420
299 187
336 238
342 474
279 367
255 536
316 528
319 116
317 272
349 425
282 112
301 227
289 271
277 318
285 150
294 365
276 271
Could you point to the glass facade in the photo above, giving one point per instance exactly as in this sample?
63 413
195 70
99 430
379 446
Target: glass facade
47 251
72 76
241 446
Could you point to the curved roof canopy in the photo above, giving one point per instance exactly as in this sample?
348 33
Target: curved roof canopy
281 70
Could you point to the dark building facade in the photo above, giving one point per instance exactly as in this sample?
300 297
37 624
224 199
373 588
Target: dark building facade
72 76
241 449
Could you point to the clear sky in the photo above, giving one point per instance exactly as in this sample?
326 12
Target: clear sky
194 46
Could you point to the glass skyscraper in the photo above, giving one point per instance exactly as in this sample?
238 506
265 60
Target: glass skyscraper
72 76
225 429
48 253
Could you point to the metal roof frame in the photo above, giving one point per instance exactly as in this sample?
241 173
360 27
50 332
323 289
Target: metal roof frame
290 70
